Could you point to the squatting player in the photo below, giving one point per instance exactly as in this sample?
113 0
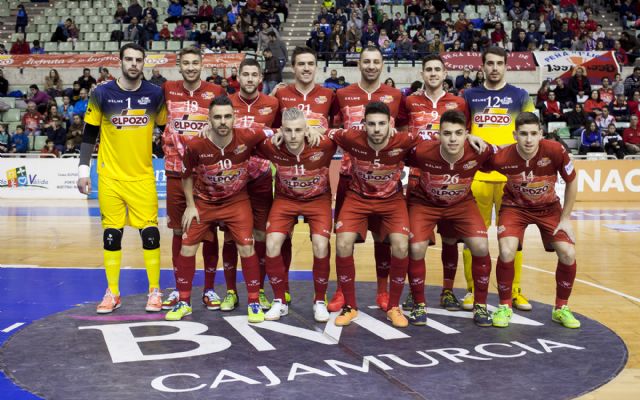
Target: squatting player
187 116
124 112
531 167
494 108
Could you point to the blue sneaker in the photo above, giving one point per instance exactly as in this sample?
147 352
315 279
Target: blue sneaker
418 315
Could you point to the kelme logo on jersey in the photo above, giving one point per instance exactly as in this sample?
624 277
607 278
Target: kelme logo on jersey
130 118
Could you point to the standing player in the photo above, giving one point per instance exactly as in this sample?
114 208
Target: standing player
352 101
424 112
377 162
187 116
124 112
532 166
302 188
443 196
494 107
252 109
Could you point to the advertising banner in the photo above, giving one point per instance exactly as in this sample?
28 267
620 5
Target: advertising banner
39 178
457 61
560 64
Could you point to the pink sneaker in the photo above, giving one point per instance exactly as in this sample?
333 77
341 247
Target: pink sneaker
154 301
109 303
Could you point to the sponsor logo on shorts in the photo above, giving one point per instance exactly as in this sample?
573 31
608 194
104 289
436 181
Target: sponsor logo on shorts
302 182
501 229
544 161
226 177
339 224
377 176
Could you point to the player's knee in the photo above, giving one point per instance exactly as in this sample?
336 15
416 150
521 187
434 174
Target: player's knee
479 248
188 251
245 250
567 255
273 247
400 248
507 254
344 247
150 238
418 250
112 239
320 248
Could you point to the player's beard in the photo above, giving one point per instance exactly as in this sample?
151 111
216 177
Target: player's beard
247 93
379 139
375 79
127 75
226 132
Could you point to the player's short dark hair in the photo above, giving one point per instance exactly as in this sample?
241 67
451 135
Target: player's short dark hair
524 118
189 50
302 50
377 107
432 57
34 86
134 46
220 101
499 51
371 48
249 62
453 117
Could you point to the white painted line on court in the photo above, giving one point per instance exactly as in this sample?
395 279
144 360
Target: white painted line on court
12 327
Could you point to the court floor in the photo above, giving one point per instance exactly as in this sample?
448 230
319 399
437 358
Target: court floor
67 234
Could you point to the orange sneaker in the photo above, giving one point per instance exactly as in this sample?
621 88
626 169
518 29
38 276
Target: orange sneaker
347 315
397 318
154 300
337 302
109 303
382 300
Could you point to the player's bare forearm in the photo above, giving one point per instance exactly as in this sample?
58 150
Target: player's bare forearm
570 194
477 143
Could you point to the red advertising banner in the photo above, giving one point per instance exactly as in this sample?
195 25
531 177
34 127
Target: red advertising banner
457 61
561 64
110 60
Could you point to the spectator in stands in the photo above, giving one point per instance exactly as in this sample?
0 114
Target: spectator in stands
39 97
75 92
590 139
631 136
134 32
190 10
120 14
219 37
632 82
20 46
332 80
19 140
232 79
463 79
149 10
32 120
22 19
563 38
521 42
180 32
61 33
70 148
86 80
83 102
53 84
390 82
75 130
50 148
605 119
74 33
576 119
65 110
551 109
619 108
225 85
5 140
606 91
4 84
214 77
50 113
278 49
388 50
235 38
492 17
251 39
174 11
57 134
134 11
612 142
479 79
555 137
620 53
579 83
37 48
164 33
543 92
272 71
594 104
499 36
150 30
219 11
156 78
205 12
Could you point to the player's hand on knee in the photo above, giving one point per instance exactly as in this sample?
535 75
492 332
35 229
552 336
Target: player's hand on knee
565 226
84 185
477 144
187 218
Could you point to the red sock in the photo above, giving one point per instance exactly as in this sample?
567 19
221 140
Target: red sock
321 267
346 271
449 257
210 257
417 274
481 271
275 269
230 264
397 274
382 254
184 272
565 276
176 244
285 251
251 273
261 252
504 276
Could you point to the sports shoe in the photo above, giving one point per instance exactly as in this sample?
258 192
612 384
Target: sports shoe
337 302
181 310
467 301
109 303
211 300
154 300
347 315
287 297
264 302
230 301
256 315
397 318
418 315
520 302
408 304
481 316
171 301
502 316
320 312
565 317
449 301
382 300
277 310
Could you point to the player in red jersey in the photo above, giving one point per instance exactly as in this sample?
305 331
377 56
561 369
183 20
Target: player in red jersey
531 166
251 108
443 197
375 190
187 116
425 110
214 180
302 188
352 101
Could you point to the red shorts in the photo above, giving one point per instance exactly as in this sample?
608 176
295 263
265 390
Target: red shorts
391 213
457 221
261 196
513 221
284 214
176 203
234 213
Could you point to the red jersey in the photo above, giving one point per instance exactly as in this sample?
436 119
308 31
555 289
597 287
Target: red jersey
221 173
424 112
376 173
187 116
316 104
301 177
442 183
531 184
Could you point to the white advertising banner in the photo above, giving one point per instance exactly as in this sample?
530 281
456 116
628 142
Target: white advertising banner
39 178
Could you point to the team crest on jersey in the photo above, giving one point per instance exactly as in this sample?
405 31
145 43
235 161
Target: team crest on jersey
208 95
316 156
240 149
544 161
320 99
130 118
265 111
144 100
394 152
451 105
506 101
569 168
386 99
469 165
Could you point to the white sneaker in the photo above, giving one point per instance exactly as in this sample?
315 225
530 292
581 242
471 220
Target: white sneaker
320 312
277 310
467 301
